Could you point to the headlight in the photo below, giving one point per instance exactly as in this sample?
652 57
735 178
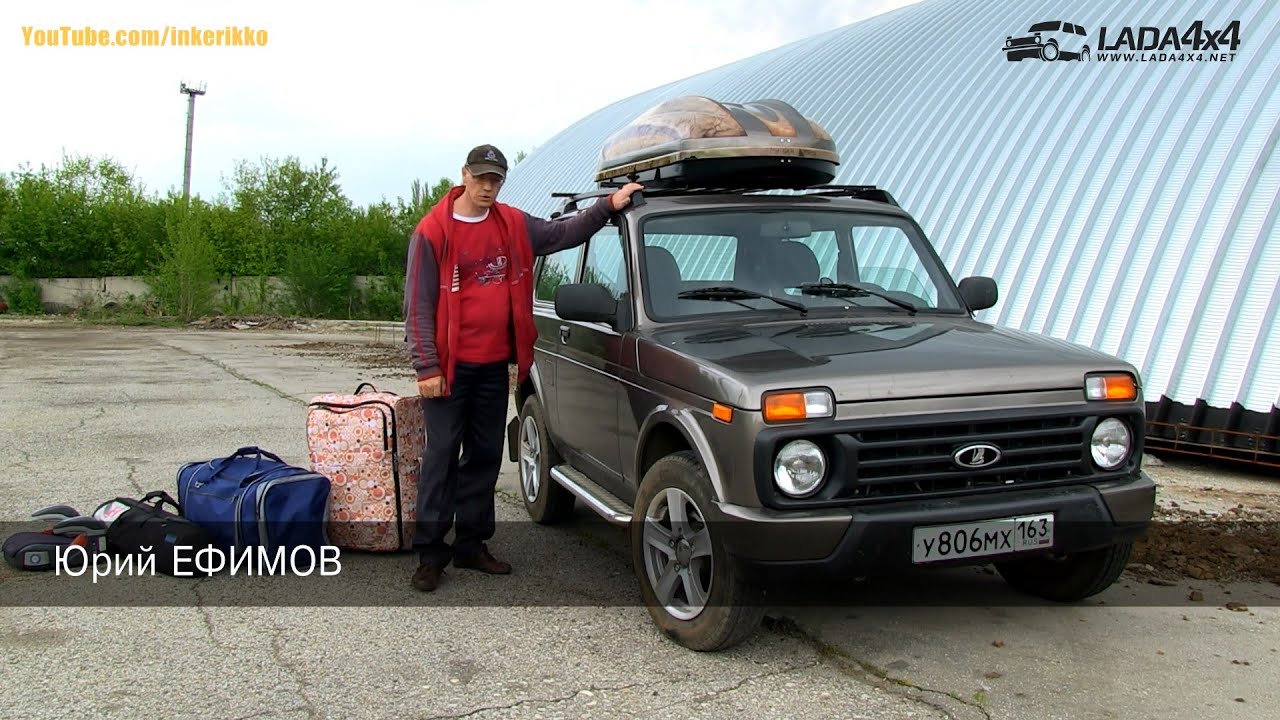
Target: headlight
1112 443
799 468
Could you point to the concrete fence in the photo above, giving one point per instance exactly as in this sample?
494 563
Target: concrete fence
57 294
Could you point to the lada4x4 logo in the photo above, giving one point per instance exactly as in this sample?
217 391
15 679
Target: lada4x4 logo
1060 40
1197 43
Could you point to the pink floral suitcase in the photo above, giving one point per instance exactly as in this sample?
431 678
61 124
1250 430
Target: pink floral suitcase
369 444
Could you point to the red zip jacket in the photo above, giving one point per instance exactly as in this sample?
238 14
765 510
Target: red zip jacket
431 297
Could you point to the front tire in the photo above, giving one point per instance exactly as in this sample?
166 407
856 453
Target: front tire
1069 578
546 500
1049 51
694 590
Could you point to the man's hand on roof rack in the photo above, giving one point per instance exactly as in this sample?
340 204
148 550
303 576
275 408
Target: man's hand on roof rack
622 197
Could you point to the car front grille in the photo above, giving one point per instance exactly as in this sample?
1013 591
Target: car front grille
913 460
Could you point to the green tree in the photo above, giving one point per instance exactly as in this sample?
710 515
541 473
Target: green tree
421 199
184 279
81 218
275 217
294 221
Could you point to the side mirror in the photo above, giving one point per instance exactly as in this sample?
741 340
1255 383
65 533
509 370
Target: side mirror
587 302
979 293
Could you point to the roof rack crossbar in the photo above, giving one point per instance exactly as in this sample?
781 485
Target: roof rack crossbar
574 198
862 192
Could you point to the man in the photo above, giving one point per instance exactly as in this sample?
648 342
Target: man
468 308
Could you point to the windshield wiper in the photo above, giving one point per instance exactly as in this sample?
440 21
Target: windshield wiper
728 292
834 289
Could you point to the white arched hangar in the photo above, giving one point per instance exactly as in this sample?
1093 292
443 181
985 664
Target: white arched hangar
1111 167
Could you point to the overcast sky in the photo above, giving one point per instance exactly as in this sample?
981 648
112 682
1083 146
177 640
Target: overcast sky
388 91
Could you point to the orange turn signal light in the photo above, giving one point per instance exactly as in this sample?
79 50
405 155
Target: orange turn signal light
722 412
1116 386
784 406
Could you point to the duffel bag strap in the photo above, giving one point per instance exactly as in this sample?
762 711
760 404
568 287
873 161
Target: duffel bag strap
250 451
161 497
362 385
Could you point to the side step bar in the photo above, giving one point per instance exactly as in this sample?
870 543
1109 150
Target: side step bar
603 502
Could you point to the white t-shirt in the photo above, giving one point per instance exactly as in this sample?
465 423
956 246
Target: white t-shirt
464 218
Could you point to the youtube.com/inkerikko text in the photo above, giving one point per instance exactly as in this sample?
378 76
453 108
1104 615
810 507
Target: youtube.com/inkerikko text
168 36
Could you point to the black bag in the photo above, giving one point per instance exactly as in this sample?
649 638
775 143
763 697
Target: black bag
143 528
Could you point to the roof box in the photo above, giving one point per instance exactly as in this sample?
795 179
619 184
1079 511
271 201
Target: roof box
694 141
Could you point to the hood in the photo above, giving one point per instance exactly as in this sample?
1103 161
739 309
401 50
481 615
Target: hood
866 359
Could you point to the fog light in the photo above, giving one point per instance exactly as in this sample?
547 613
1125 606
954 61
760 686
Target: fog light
1112 443
799 468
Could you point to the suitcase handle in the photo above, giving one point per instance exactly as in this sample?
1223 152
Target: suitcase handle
364 385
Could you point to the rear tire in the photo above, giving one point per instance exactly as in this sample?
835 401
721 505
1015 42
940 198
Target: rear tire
693 589
1069 578
546 500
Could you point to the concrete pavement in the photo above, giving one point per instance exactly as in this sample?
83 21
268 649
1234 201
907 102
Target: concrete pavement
90 413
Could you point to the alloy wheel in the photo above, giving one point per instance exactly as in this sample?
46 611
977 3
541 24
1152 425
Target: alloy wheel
678 556
530 459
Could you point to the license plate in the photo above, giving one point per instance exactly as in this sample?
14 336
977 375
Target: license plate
983 537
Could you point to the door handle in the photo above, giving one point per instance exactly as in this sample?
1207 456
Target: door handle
564 333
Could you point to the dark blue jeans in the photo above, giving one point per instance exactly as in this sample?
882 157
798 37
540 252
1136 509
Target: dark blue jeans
460 466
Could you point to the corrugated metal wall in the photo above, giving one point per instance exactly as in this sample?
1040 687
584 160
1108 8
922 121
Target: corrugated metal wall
1126 206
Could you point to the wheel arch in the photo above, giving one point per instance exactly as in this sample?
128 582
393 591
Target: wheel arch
530 386
668 430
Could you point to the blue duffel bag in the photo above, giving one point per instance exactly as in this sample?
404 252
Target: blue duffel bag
252 498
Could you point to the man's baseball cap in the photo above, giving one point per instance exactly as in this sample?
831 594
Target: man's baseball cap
486 159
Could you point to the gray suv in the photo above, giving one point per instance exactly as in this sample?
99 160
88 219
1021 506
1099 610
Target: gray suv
766 387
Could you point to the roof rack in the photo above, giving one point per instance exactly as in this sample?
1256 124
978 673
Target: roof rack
858 192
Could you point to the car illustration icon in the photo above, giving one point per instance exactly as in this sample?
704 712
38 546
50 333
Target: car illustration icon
1054 40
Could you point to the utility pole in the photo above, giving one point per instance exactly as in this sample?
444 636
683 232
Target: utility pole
191 93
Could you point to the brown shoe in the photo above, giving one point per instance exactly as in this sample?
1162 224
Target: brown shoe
427 577
484 562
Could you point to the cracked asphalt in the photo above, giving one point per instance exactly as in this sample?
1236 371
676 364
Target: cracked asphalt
90 413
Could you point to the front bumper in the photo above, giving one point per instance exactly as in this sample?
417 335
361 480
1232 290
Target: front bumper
1024 52
866 539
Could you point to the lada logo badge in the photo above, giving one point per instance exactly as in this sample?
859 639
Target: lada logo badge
973 457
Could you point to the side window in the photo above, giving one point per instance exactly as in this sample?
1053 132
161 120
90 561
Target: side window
605 264
556 270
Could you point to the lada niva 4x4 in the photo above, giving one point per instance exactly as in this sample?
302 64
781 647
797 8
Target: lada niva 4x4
767 386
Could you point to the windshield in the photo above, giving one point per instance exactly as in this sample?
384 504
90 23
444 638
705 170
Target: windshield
782 254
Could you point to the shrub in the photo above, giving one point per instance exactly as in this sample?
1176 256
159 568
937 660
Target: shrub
384 300
318 281
184 280
23 296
